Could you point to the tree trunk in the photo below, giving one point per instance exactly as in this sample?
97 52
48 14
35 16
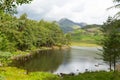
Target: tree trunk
114 63
110 65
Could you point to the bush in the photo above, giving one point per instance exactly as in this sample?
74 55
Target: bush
5 58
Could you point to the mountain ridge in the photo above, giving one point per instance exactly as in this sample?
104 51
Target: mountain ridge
68 25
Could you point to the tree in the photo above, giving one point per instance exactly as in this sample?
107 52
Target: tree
111 41
116 0
4 43
9 6
67 38
117 5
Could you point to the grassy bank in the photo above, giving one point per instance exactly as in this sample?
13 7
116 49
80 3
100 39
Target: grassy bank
84 44
28 52
95 76
12 73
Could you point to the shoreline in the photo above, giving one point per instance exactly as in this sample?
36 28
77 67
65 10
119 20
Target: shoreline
29 53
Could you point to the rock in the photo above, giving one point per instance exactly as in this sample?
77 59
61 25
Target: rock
118 67
70 74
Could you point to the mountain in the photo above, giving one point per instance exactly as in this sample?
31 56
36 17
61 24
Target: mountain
68 25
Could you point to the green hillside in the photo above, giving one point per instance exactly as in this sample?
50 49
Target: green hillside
86 35
68 25
81 33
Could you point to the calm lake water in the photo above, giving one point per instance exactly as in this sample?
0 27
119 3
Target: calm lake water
75 60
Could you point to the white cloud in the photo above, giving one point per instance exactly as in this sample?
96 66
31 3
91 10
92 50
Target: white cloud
89 11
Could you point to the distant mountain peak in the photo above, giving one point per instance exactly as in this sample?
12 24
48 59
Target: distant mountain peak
65 20
68 25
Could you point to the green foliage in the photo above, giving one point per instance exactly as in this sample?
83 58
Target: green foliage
5 58
111 41
11 73
4 43
68 39
9 6
9 26
117 5
25 34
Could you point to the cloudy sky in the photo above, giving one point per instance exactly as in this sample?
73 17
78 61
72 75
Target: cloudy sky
89 11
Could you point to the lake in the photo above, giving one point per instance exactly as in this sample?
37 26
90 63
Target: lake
75 60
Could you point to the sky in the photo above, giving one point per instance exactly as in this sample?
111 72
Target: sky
88 11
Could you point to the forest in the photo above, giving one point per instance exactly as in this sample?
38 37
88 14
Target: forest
25 34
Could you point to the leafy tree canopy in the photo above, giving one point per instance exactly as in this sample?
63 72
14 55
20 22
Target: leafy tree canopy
9 6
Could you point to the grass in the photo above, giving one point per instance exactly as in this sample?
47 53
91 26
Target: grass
83 37
95 76
85 40
84 44
12 73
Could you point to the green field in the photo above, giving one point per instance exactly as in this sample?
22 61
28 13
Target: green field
83 37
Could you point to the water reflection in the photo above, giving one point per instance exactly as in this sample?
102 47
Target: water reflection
47 61
74 60
82 59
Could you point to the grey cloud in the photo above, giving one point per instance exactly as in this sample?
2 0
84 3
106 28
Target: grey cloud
90 11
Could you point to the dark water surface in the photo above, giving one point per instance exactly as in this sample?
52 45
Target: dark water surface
74 60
